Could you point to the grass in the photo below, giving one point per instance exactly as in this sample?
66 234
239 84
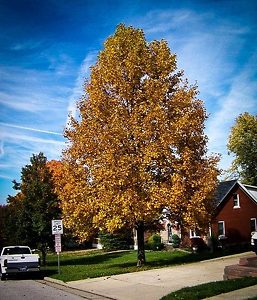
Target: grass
82 265
203 291
96 263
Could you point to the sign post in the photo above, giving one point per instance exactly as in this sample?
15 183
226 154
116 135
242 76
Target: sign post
57 230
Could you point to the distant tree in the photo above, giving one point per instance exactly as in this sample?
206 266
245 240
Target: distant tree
3 233
242 143
140 143
13 220
39 204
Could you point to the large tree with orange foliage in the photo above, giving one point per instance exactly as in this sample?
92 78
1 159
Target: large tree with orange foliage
139 145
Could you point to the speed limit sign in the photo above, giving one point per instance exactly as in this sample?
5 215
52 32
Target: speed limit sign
57 227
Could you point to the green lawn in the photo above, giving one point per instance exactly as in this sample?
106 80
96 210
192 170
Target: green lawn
81 265
90 264
203 291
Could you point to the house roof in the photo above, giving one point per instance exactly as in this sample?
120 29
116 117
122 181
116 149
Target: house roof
222 190
225 187
251 191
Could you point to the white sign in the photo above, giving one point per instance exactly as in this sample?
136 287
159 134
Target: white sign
58 243
57 227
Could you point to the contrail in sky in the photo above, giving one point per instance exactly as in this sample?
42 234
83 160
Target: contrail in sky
29 128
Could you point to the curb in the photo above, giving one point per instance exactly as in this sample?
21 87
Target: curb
76 291
57 281
226 257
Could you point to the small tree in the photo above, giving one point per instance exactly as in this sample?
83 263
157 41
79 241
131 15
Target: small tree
3 230
139 145
175 240
38 204
13 221
242 143
154 242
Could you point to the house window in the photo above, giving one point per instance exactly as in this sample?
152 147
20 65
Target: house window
253 224
169 233
221 228
194 233
236 200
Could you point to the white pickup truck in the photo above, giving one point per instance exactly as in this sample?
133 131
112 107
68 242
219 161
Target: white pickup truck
18 259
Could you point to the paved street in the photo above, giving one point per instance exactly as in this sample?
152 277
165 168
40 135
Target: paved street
16 289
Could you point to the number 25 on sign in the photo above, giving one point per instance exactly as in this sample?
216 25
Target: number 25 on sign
57 227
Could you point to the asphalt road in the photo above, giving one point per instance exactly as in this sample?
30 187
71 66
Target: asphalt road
16 289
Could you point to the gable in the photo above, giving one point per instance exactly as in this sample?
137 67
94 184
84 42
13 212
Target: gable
225 188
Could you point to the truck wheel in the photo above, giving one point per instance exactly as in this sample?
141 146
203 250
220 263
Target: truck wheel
3 277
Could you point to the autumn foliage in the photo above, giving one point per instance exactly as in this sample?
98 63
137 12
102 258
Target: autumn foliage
242 143
30 211
139 144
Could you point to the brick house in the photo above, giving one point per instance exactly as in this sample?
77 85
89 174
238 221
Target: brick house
236 212
234 219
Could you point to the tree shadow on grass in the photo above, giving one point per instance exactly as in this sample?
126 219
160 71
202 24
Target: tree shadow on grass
165 261
48 272
88 259
150 263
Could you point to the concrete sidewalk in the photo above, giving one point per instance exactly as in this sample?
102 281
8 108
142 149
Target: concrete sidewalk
153 284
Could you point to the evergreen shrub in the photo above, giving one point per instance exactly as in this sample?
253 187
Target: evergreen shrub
154 243
113 242
175 240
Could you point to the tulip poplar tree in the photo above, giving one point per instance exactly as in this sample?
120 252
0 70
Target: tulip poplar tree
139 144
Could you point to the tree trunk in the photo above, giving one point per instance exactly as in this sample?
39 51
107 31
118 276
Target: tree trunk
43 252
140 243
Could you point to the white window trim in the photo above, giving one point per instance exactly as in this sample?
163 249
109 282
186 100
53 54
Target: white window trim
223 225
238 202
254 219
193 234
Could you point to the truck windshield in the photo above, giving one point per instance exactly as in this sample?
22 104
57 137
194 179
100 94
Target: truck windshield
16 250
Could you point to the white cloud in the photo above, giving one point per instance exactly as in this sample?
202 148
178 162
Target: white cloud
38 100
62 64
5 177
77 92
20 102
28 45
20 147
29 138
1 148
239 99
168 21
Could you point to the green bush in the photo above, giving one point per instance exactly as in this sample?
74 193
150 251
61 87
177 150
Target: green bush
154 243
175 240
113 242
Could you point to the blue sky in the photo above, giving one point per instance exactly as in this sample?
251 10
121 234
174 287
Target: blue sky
47 46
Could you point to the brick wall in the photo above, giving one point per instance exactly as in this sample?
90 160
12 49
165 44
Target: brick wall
237 220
